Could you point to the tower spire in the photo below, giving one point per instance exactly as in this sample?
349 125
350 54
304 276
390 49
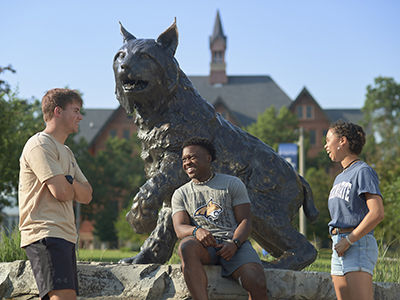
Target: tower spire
218 48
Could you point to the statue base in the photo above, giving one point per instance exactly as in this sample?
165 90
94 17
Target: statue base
115 281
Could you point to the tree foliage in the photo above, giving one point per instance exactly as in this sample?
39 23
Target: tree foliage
4 86
125 233
389 176
320 182
274 128
19 120
115 174
382 116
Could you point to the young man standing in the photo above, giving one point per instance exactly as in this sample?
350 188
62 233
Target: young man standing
212 217
50 181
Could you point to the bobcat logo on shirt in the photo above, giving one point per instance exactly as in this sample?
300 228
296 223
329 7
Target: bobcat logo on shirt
210 210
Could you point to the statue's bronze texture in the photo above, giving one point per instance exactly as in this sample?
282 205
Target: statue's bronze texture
169 110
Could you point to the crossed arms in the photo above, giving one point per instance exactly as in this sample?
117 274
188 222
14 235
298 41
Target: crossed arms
62 190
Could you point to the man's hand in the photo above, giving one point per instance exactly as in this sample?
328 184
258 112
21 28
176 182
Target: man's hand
205 238
227 251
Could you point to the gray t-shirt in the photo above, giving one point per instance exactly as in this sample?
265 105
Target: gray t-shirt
211 205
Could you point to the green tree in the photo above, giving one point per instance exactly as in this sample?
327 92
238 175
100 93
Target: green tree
274 128
115 174
126 234
321 183
19 120
4 86
389 176
382 116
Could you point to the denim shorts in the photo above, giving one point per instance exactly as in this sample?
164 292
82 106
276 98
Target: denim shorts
245 254
361 256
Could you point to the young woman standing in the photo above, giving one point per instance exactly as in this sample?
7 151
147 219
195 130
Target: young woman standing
355 205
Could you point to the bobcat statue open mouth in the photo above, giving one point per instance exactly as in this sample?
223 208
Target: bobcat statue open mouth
134 85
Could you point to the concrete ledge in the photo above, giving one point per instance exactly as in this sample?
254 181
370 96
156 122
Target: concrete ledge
112 281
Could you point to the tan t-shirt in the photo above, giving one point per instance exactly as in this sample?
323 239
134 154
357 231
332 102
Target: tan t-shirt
41 214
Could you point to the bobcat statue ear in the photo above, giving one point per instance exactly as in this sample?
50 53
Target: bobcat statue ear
169 39
126 35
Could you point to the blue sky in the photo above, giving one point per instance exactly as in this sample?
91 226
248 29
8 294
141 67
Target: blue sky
334 48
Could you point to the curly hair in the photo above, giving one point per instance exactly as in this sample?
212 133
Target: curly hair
202 142
354 133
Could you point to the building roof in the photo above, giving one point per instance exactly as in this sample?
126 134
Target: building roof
347 115
93 122
246 96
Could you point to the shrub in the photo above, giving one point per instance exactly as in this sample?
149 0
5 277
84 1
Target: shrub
10 249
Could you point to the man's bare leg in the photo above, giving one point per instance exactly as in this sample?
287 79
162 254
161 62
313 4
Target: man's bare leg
193 255
251 276
68 294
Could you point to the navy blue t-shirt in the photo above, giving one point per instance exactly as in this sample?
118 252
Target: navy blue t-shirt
346 203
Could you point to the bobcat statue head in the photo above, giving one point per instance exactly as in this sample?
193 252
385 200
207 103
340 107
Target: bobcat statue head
146 71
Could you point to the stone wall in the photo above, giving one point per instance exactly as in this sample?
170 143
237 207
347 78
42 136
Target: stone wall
99 281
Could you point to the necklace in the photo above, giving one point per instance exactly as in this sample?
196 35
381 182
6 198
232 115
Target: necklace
353 161
204 182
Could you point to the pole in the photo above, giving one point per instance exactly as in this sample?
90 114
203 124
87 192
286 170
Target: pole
302 217
78 223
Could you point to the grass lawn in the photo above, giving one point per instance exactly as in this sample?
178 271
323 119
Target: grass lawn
108 255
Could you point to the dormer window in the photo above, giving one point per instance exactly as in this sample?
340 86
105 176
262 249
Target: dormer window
305 112
309 112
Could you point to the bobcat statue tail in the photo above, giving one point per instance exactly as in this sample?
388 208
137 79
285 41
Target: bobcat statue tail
309 208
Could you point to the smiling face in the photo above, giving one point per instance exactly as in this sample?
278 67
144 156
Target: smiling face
333 146
196 162
70 117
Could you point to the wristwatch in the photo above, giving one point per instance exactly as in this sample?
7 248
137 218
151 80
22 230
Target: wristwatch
237 243
69 178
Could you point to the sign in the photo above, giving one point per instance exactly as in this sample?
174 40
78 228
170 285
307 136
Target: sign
289 152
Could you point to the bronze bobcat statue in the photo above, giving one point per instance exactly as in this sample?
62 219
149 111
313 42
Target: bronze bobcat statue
169 110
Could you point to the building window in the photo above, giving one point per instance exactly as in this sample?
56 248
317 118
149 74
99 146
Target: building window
300 112
126 134
217 56
324 132
113 132
309 113
312 137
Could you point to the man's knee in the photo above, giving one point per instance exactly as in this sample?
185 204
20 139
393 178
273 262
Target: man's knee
186 247
192 251
190 246
252 278
256 286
